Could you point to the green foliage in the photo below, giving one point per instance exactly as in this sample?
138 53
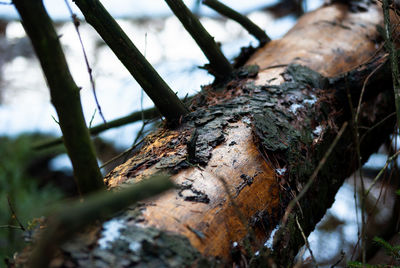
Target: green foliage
390 250
356 264
28 201
393 251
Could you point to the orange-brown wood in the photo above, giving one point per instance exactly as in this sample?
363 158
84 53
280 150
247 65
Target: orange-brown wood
330 40
218 220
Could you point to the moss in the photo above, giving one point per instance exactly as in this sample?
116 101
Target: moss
306 76
275 133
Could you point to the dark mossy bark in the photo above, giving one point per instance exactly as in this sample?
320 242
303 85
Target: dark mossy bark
302 154
340 164
64 93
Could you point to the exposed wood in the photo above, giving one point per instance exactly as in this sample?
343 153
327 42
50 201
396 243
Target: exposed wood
331 41
217 219
261 137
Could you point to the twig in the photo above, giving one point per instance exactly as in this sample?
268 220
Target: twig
358 153
342 254
141 92
7 226
92 118
363 90
314 175
155 87
246 23
76 23
390 159
140 132
306 242
393 58
220 66
133 117
358 143
14 214
299 262
376 125
125 153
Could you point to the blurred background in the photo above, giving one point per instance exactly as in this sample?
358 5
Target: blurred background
31 179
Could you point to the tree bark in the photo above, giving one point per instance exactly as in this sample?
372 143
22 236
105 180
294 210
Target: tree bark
246 150
64 94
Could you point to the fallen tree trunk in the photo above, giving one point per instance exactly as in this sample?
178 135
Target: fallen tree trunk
249 147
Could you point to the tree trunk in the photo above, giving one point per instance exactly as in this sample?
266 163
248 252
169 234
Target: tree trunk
250 146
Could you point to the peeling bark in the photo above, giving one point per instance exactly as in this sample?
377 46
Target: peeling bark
248 147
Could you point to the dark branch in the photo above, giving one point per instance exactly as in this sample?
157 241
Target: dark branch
155 87
220 66
251 27
64 93
133 117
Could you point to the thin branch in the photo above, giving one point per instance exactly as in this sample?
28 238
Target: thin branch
92 118
14 214
124 153
393 57
342 254
246 23
220 66
133 117
376 125
140 132
388 161
7 226
358 155
363 90
306 242
155 87
76 23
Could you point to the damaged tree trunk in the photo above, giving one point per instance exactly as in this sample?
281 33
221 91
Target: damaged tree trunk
247 148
